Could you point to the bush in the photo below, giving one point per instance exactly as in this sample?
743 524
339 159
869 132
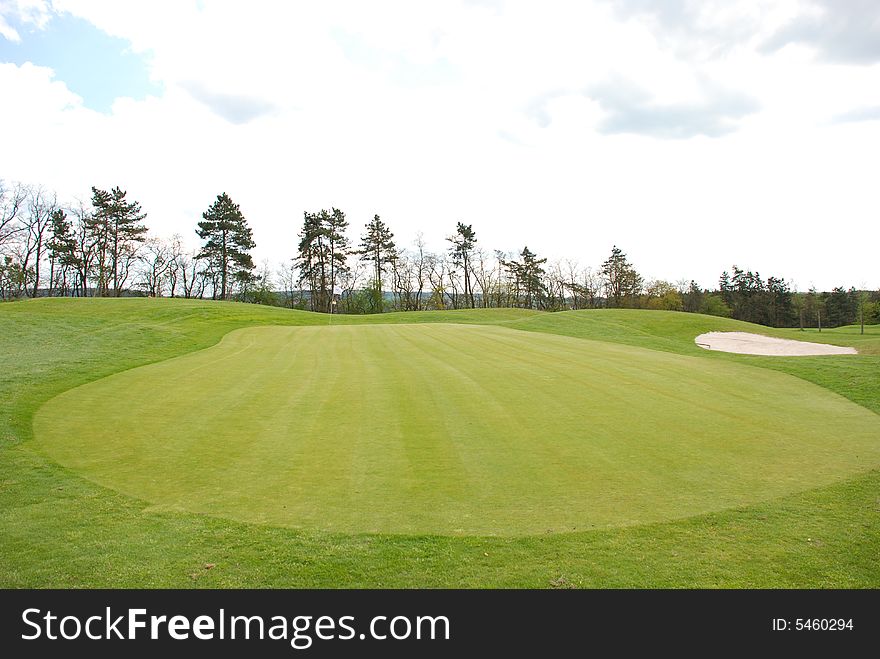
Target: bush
714 305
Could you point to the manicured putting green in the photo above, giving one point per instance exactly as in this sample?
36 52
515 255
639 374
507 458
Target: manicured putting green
452 429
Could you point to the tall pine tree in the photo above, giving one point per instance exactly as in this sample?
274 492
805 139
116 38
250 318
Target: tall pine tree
377 248
62 251
311 259
463 241
228 239
322 254
120 225
338 243
622 282
531 276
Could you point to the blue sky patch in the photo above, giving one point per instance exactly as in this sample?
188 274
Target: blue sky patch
92 64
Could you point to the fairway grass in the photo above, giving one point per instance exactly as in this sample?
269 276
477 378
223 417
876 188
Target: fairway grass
451 429
60 529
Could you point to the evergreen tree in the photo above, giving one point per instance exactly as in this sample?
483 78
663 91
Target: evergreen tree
311 258
692 299
97 232
529 277
463 241
753 300
813 308
725 289
321 255
782 311
228 239
120 224
750 301
841 307
622 282
377 248
62 249
335 226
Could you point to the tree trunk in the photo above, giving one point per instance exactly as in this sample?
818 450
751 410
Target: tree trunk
37 265
115 259
223 267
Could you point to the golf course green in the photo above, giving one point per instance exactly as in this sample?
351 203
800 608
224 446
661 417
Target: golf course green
451 429
144 440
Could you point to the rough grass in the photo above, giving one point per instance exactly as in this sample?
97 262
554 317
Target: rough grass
57 529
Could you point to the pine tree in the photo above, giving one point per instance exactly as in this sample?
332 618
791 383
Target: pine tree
463 241
531 278
62 249
322 254
310 258
228 239
377 248
97 229
621 279
338 243
527 275
120 226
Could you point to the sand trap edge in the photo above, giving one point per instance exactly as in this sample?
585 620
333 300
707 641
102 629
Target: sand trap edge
746 343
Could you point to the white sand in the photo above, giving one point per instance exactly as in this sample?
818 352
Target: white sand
755 344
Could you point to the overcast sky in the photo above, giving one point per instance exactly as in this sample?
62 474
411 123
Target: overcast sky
693 135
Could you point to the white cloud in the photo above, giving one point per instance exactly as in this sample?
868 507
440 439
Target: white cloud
29 13
8 32
36 96
846 32
429 113
859 114
631 109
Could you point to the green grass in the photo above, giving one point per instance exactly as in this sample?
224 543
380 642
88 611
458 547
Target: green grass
451 429
60 529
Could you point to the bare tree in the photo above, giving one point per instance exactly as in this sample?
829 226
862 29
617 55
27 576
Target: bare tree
177 254
410 273
40 206
420 269
349 280
590 283
12 204
484 272
85 248
127 258
189 270
436 269
157 259
556 285
288 279
401 280
449 266
202 276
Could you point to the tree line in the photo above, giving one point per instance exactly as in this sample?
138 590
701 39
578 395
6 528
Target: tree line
103 248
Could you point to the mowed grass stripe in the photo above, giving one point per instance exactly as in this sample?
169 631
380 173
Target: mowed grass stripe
451 429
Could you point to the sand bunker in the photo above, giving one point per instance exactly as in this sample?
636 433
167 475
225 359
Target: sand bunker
755 344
